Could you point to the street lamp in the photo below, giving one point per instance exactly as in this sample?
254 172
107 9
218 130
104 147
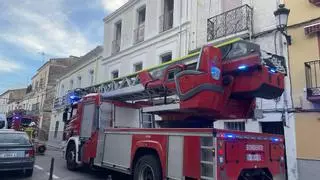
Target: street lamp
281 15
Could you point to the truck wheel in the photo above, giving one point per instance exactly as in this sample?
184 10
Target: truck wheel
71 157
147 168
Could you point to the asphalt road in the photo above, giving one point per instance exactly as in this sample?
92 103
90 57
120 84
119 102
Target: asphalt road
42 168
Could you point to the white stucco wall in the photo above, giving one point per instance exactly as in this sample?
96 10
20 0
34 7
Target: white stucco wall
82 71
4 98
155 43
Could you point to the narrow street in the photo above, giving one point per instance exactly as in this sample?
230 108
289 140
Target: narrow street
42 168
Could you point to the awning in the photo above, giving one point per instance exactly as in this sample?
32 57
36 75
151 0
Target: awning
313 28
315 2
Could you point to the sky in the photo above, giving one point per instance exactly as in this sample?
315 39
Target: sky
32 31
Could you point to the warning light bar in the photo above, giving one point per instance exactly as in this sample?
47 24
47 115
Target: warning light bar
237 136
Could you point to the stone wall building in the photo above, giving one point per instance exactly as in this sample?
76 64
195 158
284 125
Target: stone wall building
81 75
40 99
11 99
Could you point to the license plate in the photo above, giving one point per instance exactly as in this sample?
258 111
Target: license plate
254 147
8 155
254 157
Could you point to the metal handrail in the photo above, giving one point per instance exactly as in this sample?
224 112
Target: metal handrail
230 22
166 21
139 33
312 71
116 46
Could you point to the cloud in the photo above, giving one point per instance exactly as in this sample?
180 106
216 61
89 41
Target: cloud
43 26
9 66
112 5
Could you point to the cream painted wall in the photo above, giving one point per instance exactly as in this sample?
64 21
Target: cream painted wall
304 48
301 11
307 133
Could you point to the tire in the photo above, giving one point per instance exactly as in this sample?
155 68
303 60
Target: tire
147 168
41 149
71 157
28 172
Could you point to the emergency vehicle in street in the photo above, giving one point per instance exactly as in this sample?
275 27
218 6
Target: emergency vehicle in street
158 123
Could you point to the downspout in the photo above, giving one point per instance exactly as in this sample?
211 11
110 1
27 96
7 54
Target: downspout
96 71
292 167
180 16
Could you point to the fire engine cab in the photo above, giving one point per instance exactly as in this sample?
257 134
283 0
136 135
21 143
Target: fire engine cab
158 123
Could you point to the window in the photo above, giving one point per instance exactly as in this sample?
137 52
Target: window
319 43
114 74
91 74
35 107
37 85
141 15
139 31
166 57
117 38
272 127
236 126
137 67
79 81
8 139
56 129
71 84
166 19
118 30
41 85
62 90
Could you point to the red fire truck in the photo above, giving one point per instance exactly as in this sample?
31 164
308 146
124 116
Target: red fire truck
158 123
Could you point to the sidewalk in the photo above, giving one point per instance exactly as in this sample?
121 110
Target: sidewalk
56 144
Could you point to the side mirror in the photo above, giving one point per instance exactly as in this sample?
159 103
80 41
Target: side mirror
65 115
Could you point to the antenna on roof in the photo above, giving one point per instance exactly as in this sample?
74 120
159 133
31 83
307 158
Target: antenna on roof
43 54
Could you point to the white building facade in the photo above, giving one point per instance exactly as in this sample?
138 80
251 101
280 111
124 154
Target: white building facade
81 75
11 100
145 33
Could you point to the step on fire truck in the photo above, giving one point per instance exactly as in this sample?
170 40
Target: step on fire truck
158 123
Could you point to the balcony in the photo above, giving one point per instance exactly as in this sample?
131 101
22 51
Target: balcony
116 46
139 34
312 69
235 22
315 2
59 102
166 21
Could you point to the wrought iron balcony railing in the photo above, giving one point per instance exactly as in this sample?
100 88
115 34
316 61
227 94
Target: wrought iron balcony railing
116 46
312 69
166 21
59 102
139 33
315 2
230 22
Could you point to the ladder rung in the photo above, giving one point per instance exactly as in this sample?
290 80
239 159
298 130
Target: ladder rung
206 178
207 147
206 162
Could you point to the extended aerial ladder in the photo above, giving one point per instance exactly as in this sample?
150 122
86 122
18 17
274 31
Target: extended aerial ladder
219 82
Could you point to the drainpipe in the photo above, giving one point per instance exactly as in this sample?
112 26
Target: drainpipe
96 71
180 16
